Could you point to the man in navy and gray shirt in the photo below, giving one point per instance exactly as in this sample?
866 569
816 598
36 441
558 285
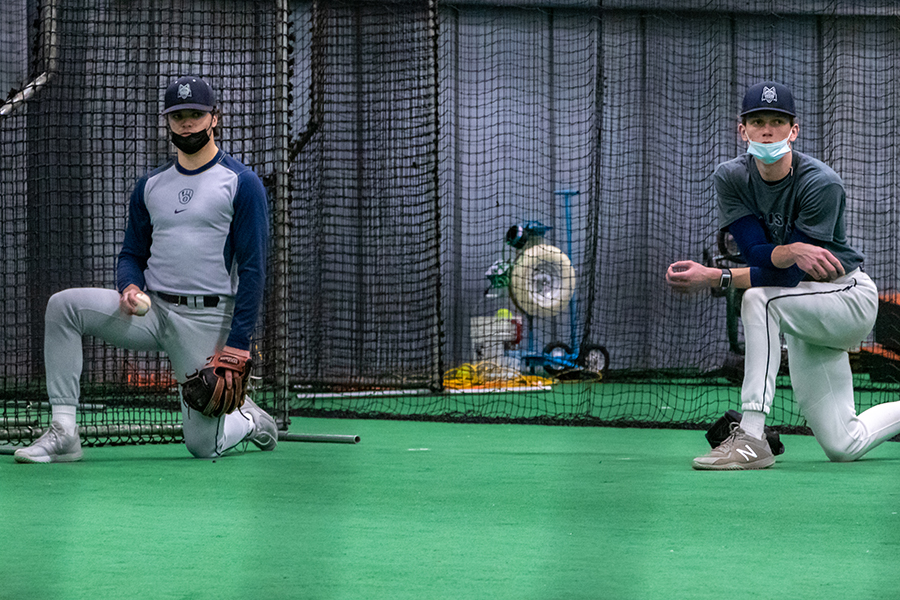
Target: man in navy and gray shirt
195 243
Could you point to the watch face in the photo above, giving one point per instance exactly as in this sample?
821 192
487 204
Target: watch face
725 280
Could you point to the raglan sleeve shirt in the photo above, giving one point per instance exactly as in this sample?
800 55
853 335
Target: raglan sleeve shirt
210 241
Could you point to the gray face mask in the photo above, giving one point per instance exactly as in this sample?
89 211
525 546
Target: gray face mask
192 143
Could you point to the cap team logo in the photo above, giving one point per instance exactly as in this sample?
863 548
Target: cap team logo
769 95
185 195
184 91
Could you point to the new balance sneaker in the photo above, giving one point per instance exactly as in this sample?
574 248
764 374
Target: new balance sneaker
54 446
739 451
265 431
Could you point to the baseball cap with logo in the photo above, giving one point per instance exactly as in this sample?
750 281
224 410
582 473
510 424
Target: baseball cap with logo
189 93
768 95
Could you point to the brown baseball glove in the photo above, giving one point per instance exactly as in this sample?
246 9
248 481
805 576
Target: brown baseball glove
219 387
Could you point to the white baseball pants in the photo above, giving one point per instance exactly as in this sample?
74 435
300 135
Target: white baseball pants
820 323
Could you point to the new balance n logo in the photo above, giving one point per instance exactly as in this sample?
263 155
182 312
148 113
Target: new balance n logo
749 452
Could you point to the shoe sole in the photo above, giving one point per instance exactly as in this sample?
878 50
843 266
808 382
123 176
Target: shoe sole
40 460
754 466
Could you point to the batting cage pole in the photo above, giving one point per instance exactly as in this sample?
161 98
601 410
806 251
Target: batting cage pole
281 202
49 56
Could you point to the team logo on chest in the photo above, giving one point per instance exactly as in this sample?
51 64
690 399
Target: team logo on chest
184 196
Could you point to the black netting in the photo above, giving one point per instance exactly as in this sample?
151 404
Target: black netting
364 289
400 142
72 150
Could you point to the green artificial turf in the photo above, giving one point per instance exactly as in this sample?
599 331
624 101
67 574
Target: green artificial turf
432 510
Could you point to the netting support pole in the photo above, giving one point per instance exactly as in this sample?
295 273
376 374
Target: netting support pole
437 383
50 53
281 202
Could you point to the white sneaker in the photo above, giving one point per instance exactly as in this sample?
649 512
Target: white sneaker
265 431
54 446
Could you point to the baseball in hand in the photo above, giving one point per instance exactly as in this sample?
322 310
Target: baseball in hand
143 304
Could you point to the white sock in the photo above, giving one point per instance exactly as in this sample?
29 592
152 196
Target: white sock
64 414
753 423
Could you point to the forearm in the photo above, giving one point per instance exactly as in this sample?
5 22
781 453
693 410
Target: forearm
744 278
688 276
784 256
129 273
740 278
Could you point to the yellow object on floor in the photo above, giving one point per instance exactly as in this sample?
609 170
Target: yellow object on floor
491 376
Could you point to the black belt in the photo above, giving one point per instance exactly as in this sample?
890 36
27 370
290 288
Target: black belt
192 301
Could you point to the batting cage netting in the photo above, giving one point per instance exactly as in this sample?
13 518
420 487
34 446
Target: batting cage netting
473 204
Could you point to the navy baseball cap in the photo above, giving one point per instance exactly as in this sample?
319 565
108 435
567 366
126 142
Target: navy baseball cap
189 93
768 95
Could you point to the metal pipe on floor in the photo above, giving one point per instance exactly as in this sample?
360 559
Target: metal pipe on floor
284 436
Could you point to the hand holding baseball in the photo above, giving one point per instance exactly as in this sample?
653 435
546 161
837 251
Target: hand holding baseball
142 304
134 301
687 276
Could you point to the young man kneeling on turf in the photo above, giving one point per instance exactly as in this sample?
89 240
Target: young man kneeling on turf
190 282
804 281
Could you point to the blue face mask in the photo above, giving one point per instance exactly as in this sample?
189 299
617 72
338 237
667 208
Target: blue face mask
769 153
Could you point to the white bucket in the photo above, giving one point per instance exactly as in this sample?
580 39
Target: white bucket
489 336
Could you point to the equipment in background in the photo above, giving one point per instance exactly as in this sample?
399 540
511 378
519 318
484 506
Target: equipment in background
493 338
541 283
881 359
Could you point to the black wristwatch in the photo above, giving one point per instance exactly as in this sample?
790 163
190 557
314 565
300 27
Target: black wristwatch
725 279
